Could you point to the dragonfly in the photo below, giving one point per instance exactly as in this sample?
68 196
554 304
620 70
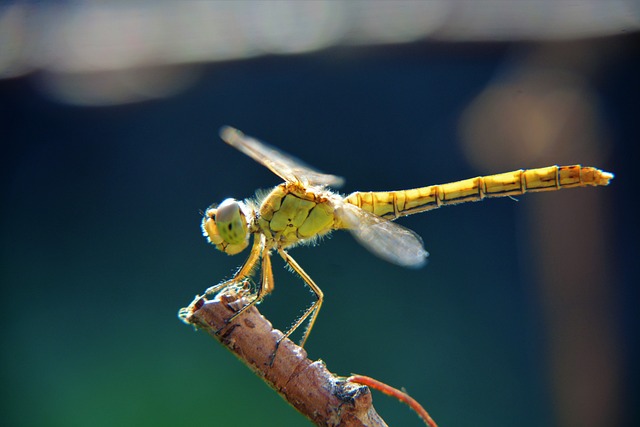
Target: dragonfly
303 208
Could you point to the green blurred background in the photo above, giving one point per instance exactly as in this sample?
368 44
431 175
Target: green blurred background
525 315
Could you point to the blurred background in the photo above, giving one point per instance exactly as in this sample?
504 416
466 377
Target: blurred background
527 313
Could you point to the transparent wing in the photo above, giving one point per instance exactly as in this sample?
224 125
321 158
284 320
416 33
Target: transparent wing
286 167
386 239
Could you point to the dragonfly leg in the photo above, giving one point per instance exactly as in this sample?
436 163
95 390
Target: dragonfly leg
266 279
313 310
244 271
264 287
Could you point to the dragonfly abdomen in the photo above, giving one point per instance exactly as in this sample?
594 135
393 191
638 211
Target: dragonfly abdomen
394 204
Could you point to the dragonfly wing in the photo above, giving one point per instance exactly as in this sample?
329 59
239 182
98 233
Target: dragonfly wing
388 240
285 166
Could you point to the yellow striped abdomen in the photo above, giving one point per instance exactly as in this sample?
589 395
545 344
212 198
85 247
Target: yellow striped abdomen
394 204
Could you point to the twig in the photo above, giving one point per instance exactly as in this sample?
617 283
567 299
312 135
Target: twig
324 398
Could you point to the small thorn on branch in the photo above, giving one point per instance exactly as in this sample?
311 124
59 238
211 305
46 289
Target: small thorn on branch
324 398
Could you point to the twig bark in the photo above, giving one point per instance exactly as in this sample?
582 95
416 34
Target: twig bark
324 398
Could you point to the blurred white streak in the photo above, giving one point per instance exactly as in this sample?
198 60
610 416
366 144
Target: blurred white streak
12 42
540 19
118 86
100 37
292 27
394 21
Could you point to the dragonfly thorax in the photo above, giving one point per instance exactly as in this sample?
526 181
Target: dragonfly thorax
226 226
291 214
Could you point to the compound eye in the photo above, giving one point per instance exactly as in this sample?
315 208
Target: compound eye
227 210
231 222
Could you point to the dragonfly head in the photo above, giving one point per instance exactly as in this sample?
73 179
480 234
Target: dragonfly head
226 226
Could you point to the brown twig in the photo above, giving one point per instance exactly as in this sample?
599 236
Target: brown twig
324 398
